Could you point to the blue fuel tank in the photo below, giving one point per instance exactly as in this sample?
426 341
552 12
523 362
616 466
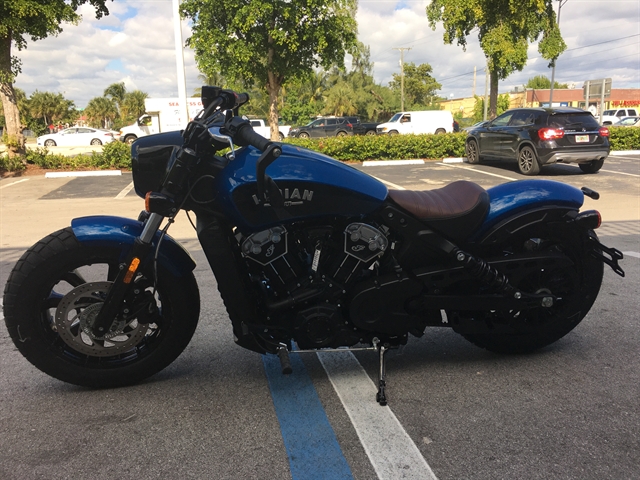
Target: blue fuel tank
311 184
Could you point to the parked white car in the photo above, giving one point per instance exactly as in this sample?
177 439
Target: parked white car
263 128
76 136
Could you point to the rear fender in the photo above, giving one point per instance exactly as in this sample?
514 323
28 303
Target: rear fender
520 204
118 231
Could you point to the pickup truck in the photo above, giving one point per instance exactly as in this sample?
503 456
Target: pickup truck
261 127
364 128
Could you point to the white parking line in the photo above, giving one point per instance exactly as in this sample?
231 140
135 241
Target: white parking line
124 191
91 173
14 183
620 173
386 163
389 447
392 185
631 254
478 171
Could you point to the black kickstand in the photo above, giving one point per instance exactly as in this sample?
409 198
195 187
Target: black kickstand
381 397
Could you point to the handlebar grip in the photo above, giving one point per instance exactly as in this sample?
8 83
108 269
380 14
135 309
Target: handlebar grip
243 134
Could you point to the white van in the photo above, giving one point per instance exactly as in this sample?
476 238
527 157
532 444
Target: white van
425 121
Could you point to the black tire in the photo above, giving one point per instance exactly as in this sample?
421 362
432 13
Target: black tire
280 136
49 143
440 131
303 135
96 141
591 167
58 280
129 139
473 152
528 163
393 132
341 133
516 332
370 132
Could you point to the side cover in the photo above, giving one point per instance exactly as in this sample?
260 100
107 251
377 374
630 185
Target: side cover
107 231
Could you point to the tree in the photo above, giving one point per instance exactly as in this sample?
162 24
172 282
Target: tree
51 107
505 28
116 91
133 105
100 112
540 82
269 42
35 19
419 86
504 103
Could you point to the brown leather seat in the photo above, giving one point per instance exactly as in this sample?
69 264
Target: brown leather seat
456 209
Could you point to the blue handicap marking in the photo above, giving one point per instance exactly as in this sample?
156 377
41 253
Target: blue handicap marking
311 444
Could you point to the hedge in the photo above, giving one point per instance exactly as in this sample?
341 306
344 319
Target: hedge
116 155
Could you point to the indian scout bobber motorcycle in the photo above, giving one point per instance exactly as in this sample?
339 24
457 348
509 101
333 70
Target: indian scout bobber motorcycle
306 251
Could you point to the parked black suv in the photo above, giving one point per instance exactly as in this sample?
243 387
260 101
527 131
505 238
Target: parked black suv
324 127
541 136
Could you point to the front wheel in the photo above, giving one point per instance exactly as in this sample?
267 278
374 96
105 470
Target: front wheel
49 143
303 135
370 132
96 141
55 292
591 167
528 163
341 134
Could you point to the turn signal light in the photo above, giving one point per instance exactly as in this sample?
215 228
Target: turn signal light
131 271
591 219
550 133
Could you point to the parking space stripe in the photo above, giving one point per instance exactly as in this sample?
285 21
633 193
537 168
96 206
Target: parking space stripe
123 193
631 254
392 185
478 171
14 183
620 173
390 449
310 442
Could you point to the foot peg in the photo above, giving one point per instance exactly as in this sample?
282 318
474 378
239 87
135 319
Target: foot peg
285 363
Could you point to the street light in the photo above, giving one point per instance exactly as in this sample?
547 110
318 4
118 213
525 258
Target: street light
553 67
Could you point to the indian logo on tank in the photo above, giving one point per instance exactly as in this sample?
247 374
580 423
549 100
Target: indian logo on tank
291 196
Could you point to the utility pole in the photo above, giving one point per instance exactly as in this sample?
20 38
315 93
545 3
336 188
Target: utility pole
486 91
182 81
402 49
473 94
553 67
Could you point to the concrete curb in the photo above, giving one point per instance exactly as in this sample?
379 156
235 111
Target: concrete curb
625 152
91 173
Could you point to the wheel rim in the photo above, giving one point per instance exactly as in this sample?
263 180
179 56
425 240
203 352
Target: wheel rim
304 135
76 313
526 160
472 151
96 142
69 306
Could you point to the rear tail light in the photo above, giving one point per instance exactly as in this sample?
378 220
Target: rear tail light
550 133
604 132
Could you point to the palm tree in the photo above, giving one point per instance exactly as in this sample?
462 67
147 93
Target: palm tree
51 107
100 112
117 92
340 100
133 105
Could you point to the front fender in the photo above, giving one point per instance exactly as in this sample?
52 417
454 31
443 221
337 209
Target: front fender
109 231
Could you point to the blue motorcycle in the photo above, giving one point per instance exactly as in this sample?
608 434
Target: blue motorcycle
307 252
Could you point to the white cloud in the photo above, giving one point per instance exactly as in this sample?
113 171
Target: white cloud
135 44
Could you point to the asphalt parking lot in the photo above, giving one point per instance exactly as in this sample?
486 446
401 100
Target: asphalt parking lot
569 411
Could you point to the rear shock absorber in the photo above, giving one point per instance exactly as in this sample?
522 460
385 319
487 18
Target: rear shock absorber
482 271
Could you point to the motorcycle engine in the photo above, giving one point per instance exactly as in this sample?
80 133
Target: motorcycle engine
304 274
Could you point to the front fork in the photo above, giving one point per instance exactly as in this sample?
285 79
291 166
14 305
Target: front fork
140 249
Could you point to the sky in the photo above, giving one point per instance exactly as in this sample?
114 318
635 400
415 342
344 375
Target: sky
135 45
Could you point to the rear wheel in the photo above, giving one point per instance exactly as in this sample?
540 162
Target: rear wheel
96 141
49 143
370 132
341 133
473 152
528 161
54 293
440 131
303 135
576 288
591 167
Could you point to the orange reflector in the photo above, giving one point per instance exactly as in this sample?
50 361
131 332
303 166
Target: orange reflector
146 201
132 270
